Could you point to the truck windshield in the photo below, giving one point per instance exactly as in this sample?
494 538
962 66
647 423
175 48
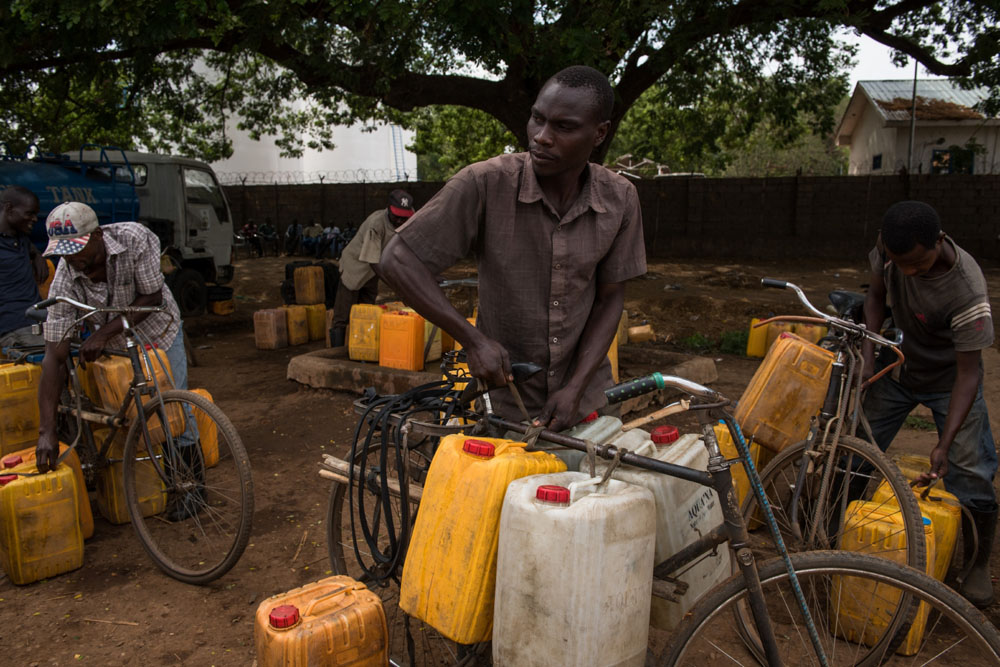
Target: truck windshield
200 188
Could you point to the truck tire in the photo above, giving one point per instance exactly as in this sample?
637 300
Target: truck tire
188 287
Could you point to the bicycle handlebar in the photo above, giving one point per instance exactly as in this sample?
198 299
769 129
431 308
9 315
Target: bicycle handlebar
830 319
90 310
643 385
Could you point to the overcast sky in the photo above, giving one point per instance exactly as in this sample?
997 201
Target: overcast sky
874 63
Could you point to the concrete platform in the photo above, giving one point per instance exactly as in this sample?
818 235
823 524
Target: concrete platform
331 369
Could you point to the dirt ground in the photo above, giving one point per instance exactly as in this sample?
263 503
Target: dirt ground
119 609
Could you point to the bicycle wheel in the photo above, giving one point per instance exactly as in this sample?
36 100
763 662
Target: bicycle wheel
850 597
861 472
190 505
429 646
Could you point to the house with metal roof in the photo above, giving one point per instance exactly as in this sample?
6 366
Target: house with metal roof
950 135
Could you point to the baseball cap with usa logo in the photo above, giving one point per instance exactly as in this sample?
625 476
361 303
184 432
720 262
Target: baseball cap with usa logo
69 226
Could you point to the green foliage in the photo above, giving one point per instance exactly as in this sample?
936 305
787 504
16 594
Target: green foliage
448 138
734 342
167 75
697 342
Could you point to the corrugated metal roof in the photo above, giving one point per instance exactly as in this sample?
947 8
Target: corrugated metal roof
937 99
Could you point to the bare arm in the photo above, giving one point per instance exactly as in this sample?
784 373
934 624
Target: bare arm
560 410
963 393
52 382
413 281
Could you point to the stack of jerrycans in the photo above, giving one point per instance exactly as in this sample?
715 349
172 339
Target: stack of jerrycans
449 575
684 511
111 378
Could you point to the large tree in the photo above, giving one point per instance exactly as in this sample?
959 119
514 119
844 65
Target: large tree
167 73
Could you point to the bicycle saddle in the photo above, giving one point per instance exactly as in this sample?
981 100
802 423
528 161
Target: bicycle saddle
849 305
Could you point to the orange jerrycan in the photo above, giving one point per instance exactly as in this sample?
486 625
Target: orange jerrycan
401 340
449 575
208 432
316 321
40 534
297 324
111 501
334 621
27 457
309 285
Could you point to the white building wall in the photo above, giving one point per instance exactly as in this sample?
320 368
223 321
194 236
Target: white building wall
869 139
358 156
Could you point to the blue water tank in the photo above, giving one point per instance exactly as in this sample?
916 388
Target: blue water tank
55 180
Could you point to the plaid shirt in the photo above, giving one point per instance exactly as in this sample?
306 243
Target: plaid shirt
133 262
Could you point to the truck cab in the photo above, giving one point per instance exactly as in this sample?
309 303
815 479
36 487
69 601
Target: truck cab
181 201
178 198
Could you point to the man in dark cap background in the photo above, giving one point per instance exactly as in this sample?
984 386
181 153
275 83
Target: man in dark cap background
358 282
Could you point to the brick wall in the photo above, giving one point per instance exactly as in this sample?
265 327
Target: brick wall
773 218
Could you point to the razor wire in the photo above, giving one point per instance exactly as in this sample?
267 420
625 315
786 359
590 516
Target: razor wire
384 175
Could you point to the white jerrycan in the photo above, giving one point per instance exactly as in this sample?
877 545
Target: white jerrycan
574 573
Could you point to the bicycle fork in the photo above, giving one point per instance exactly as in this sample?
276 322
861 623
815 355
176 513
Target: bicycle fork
739 539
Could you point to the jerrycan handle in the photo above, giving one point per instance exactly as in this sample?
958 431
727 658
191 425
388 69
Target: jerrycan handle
583 488
646 448
326 599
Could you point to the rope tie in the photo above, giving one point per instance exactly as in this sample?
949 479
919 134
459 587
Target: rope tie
615 462
531 435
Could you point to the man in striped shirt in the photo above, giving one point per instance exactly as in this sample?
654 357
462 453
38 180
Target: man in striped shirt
937 294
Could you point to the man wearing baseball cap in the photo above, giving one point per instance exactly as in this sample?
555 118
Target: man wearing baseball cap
358 282
115 265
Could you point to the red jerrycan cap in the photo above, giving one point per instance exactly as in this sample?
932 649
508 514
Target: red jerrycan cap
663 435
7 479
550 493
589 418
284 616
12 460
478 448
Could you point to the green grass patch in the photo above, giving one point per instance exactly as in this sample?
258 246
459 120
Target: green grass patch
734 342
919 423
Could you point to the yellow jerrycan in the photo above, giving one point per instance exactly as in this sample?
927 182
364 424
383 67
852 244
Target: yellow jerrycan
449 575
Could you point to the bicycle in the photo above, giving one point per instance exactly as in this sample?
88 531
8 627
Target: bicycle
791 622
810 484
191 513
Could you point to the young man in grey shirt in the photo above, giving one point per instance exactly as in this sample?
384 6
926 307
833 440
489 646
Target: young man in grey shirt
938 298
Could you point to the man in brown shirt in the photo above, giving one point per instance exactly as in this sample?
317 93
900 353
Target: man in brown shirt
555 238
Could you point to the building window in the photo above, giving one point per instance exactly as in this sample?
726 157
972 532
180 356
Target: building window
876 162
952 160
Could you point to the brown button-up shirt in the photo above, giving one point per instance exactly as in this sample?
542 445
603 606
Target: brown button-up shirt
538 271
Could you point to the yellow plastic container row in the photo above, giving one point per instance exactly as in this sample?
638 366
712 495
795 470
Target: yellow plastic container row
334 621
316 321
40 531
297 323
449 575
861 609
945 513
309 287
363 342
26 457
18 406
224 307
785 393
